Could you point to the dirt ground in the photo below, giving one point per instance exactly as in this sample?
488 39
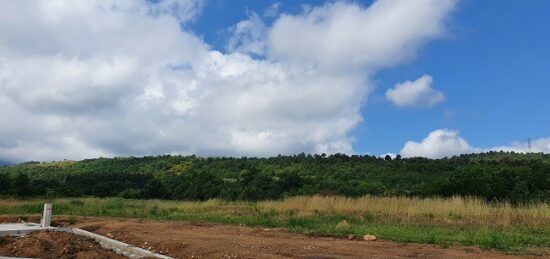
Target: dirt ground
45 244
197 240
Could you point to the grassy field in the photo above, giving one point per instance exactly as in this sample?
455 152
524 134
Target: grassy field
455 221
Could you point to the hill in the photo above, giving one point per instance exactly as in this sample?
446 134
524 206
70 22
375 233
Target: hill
501 176
5 163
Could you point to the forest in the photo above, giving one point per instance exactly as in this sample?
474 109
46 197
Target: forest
494 176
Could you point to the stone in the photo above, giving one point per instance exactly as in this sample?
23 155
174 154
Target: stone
369 238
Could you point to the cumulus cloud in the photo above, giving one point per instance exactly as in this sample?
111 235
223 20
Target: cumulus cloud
184 10
101 78
447 143
273 10
541 145
248 36
345 35
439 143
392 155
417 93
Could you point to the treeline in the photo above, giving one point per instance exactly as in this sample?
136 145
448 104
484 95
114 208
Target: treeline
495 176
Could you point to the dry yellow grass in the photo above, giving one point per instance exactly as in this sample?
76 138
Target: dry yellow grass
456 211
452 211
456 220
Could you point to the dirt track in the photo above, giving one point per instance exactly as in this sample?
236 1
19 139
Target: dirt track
192 240
189 240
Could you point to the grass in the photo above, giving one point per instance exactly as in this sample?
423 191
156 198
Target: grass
445 222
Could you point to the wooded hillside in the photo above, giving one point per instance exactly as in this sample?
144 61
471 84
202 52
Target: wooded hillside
513 177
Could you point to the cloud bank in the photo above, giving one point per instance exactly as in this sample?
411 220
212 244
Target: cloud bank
95 78
439 143
417 93
541 145
447 143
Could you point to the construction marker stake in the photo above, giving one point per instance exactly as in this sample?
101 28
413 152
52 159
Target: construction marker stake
47 215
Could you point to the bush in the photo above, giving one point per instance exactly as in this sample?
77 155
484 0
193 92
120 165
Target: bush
5 184
130 193
21 185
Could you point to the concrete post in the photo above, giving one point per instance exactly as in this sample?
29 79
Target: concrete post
47 215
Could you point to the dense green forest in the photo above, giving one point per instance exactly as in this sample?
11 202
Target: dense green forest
495 176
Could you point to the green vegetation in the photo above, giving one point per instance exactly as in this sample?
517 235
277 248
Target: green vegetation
449 221
494 176
495 200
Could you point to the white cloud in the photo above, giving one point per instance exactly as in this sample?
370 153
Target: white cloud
392 155
101 78
417 93
345 35
184 10
439 143
541 145
447 143
273 10
248 36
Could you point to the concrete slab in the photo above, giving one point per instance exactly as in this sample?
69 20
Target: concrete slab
17 229
130 251
115 245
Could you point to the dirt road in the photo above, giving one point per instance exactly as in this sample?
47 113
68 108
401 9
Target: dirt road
196 240
192 240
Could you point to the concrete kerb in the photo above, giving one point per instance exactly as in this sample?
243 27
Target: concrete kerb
119 247
18 229
131 251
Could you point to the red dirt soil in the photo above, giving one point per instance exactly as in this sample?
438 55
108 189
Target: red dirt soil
46 244
193 240
198 240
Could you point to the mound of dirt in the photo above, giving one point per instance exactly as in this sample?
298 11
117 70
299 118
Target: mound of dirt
47 244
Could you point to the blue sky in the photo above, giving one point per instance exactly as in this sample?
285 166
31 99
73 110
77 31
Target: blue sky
493 69
428 78
492 66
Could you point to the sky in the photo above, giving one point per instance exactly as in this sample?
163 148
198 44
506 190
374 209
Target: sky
430 78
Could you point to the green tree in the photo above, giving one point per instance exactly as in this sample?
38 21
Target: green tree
5 184
21 185
154 189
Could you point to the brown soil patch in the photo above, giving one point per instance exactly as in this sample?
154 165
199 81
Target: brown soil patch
199 240
18 219
46 244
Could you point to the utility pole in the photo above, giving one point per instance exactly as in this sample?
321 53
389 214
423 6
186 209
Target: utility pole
528 144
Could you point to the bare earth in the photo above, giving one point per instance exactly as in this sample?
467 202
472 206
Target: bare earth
53 245
192 240
197 240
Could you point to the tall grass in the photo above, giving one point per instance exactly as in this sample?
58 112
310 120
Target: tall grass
452 211
456 220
